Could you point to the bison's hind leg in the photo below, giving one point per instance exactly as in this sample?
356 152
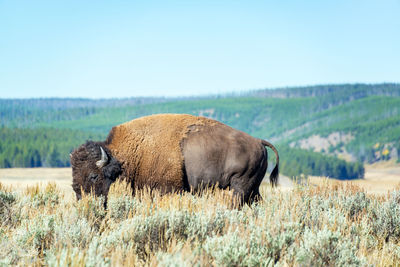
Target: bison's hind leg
246 190
255 197
241 195
239 199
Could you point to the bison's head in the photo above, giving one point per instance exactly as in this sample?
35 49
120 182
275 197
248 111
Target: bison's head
93 169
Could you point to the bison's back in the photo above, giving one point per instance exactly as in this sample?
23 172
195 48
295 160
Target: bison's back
149 148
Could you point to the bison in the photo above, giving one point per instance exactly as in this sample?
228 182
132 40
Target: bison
174 153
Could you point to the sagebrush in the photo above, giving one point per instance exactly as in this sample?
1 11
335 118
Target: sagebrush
328 225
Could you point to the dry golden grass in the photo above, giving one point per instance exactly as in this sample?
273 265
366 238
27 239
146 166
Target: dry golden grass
379 179
328 223
20 178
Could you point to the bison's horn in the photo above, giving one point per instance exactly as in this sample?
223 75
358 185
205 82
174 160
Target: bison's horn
100 163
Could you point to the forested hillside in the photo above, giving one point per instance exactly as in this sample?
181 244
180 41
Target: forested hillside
359 123
39 147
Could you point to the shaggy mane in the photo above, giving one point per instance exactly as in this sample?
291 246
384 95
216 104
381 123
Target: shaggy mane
149 149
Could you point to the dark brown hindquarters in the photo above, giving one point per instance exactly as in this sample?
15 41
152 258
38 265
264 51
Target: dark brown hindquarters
223 156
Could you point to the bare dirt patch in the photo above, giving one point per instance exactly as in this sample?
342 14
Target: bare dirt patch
318 143
335 141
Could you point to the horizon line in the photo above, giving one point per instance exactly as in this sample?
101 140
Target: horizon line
237 93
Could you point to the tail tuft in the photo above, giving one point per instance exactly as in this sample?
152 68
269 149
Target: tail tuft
273 178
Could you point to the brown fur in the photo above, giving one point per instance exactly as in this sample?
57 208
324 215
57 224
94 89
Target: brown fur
149 149
174 152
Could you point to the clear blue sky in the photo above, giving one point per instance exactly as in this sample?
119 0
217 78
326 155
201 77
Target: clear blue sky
172 48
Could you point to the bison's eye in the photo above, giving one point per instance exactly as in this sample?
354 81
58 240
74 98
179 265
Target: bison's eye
93 177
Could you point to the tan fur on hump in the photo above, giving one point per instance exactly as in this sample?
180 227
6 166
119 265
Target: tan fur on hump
149 148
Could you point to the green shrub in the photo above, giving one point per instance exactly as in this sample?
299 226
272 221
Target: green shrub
173 260
92 209
232 250
354 205
7 200
384 219
77 233
93 256
119 207
37 233
327 248
154 232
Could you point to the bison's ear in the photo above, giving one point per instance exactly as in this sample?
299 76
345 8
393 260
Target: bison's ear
112 170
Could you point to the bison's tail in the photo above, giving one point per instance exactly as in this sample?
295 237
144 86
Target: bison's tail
273 178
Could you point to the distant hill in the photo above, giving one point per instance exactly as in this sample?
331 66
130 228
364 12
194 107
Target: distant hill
355 122
336 93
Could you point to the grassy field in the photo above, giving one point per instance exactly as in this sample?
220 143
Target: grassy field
379 178
324 224
22 177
